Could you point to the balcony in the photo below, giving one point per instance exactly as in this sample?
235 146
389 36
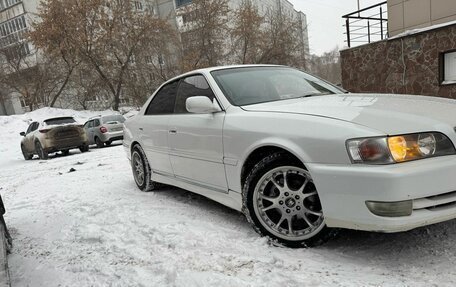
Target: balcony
367 25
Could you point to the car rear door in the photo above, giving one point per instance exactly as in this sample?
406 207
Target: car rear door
153 129
195 140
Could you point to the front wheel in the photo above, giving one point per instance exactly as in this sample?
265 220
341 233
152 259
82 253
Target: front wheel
141 170
26 155
282 202
40 151
99 142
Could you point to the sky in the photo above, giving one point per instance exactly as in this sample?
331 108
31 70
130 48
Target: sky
325 23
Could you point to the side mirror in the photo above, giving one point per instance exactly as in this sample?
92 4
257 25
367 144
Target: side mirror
201 105
22 134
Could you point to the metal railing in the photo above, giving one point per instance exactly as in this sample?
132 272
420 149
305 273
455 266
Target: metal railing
367 25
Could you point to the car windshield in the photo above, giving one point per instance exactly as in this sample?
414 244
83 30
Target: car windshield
113 119
253 85
59 121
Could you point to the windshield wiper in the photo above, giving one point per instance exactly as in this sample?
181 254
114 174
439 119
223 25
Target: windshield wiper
314 94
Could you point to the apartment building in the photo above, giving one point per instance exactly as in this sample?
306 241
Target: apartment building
14 23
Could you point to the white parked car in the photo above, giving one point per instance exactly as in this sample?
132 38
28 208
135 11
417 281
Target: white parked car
103 130
296 154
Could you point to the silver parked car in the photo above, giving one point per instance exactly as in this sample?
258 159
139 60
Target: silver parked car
296 154
103 130
53 135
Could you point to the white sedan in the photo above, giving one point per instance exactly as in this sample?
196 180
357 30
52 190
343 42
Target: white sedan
297 155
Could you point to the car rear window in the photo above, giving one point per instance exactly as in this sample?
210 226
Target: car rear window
59 121
116 119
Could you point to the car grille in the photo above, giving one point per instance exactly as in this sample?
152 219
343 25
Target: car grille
436 202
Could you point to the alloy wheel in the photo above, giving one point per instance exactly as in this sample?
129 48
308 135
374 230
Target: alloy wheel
138 168
287 204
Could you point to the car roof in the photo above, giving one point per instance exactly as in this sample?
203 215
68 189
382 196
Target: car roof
218 68
58 118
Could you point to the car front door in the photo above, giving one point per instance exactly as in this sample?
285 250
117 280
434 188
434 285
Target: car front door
196 148
153 129
30 136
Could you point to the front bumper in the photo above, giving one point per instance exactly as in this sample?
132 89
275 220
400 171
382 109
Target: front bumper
344 190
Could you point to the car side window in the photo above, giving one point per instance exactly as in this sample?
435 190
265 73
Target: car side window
89 124
96 123
30 128
190 87
34 126
163 101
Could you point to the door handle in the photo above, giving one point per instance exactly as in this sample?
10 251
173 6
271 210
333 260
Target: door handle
173 132
141 129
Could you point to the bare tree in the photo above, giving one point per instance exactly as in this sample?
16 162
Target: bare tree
55 44
282 44
247 33
327 66
204 36
105 35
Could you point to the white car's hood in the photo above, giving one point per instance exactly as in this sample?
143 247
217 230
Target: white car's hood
391 114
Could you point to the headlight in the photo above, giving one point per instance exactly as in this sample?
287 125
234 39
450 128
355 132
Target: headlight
394 149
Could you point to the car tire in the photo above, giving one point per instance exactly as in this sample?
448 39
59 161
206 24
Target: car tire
108 143
40 151
26 155
141 170
65 152
280 200
99 143
84 148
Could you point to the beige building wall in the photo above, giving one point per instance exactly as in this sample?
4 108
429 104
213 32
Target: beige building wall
405 15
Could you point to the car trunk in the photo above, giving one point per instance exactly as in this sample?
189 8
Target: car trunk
113 126
65 135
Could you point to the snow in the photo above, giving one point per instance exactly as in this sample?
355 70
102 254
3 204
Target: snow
448 82
93 227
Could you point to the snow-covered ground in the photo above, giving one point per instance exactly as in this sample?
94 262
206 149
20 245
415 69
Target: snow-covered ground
93 227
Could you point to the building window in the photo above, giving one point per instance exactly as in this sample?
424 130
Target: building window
8 3
138 5
12 31
182 2
448 68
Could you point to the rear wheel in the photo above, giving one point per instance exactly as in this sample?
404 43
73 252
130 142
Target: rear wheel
26 155
84 148
141 170
281 201
99 143
40 151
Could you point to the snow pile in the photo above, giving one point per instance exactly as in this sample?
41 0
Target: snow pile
93 227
